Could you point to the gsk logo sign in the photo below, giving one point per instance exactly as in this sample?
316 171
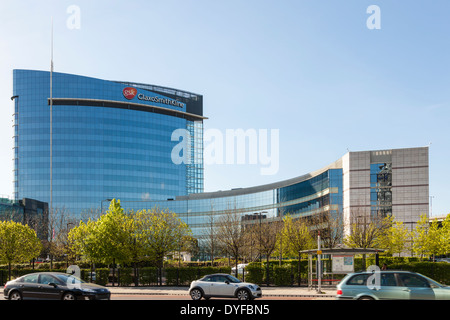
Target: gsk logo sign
129 92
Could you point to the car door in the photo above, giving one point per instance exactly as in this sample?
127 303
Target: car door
205 284
223 287
47 291
388 289
29 286
416 287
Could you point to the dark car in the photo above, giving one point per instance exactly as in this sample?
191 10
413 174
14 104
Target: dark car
53 286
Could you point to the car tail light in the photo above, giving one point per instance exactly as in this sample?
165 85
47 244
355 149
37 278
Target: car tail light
339 292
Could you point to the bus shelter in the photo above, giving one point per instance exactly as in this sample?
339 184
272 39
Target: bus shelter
341 259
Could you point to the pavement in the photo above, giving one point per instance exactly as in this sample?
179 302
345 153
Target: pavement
326 292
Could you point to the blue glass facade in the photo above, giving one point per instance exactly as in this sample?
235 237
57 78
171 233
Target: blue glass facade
106 143
299 197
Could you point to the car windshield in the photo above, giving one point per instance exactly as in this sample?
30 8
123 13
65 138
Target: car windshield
433 281
233 279
68 278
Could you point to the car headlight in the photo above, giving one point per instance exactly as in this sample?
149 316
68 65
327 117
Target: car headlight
251 287
88 290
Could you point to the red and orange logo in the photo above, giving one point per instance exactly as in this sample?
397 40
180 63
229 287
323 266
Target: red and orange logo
129 92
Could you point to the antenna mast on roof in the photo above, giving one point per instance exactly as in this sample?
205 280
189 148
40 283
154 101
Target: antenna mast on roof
51 122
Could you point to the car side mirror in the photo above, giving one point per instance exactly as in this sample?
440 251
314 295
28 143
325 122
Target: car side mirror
52 284
227 282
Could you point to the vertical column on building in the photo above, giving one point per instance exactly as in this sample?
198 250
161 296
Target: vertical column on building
410 185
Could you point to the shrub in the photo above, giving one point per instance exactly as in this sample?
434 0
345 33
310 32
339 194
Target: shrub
255 273
282 275
148 276
125 277
101 275
186 275
439 271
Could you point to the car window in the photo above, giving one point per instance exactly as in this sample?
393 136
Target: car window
208 279
388 279
412 280
46 279
232 279
219 279
358 280
69 279
32 278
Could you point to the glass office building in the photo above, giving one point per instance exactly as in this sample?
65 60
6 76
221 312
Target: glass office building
27 211
300 197
102 140
306 196
366 183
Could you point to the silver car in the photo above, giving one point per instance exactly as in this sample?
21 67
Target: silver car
390 285
223 285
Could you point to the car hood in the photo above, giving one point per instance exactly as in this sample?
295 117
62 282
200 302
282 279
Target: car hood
92 286
445 287
246 284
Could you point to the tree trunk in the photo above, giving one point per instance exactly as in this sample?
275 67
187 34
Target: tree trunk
114 271
364 262
161 265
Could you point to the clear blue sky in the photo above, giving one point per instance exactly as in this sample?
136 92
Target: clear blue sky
311 69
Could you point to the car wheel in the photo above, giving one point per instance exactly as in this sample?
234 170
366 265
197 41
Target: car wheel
366 298
15 295
196 294
69 296
243 294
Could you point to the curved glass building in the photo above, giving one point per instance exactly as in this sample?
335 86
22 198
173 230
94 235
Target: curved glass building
102 140
360 184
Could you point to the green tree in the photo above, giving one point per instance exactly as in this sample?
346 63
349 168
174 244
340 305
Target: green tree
83 242
18 243
296 237
420 236
437 240
366 232
446 234
109 239
231 234
432 239
269 233
114 235
396 238
159 232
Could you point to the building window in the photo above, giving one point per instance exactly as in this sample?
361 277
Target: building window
381 189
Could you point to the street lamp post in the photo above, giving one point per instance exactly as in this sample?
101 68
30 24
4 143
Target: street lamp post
319 265
67 243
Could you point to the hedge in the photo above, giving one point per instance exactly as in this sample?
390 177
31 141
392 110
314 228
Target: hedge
148 276
101 275
184 276
284 275
287 273
438 271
